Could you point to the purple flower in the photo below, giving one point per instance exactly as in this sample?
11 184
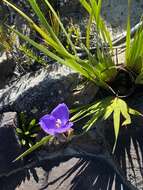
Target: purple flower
57 121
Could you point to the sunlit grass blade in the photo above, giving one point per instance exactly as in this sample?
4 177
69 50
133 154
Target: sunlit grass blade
104 66
98 10
61 25
101 27
120 107
40 47
93 120
83 68
88 30
43 21
124 111
94 8
134 49
108 111
86 109
116 119
135 58
128 35
135 112
54 23
46 37
103 109
70 62
86 5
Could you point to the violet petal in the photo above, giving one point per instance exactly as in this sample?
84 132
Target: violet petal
48 124
61 112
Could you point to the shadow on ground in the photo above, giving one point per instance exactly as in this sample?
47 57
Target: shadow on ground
87 172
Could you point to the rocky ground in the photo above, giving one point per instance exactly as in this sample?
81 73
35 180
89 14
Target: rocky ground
85 163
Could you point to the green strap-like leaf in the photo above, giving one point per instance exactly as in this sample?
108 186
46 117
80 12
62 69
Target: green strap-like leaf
88 30
128 35
96 116
102 29
68 62
125 112
34 147
135 112
86 5
43 21
109 110
116 119
46 37
62 26
94 8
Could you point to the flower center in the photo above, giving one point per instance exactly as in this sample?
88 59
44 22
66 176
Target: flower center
58 123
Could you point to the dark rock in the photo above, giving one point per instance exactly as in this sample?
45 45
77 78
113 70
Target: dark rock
10 147
40 91
9 150
7 66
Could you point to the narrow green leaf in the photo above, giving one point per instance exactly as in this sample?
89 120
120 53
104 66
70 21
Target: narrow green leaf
82 68
109 110
46 37
34 135
61 25
101 27
86 5
44 22
27 133
93 120
128 35
34 147
135 112
23 142
32 122
18 130
85 109
124 111
116 119
88 30
94 8
98 11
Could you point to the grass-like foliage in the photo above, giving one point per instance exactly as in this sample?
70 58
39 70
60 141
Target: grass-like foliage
6 40
102 110
97 67
27 130
134 51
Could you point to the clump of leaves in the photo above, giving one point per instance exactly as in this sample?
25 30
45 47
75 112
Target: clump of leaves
7 39
27 130
60 53
74 33
54 23
134 51
102 110
30 53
